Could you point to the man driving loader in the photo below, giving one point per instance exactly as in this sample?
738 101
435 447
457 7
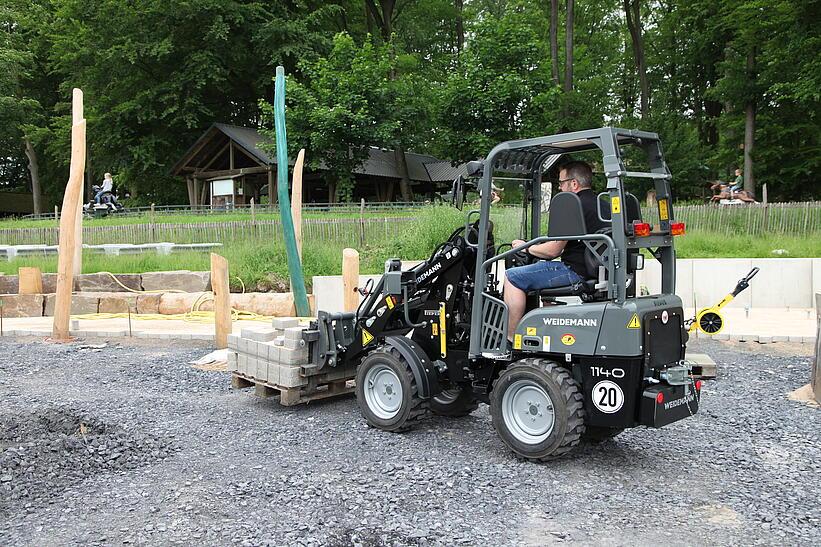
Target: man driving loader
576 177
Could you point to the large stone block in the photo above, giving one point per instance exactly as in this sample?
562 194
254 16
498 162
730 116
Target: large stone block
148 303
81 304
103 282
22 305
117 303
181 280
8 284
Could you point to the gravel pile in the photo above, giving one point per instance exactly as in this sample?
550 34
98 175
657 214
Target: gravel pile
202 463
45 449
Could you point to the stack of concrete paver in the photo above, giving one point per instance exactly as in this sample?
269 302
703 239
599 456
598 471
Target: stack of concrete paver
279 360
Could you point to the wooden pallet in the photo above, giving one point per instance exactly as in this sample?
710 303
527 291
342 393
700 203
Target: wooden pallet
315 390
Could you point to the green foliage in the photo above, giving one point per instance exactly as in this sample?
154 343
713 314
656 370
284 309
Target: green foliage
157 73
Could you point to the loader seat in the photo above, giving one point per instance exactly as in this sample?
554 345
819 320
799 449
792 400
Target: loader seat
567 220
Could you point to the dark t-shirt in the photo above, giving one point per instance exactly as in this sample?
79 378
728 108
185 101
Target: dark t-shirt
573 254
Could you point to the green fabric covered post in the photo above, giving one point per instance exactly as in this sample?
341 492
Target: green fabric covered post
294 265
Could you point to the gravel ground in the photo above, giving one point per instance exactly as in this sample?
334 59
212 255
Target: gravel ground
129 444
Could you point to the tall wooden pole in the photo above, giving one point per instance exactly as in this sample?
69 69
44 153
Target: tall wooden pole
222 300
350 279
68 233
296 200
77 117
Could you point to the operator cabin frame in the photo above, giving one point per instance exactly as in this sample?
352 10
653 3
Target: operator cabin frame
529 157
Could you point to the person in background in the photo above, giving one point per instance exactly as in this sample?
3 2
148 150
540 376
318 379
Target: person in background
108 186
739 182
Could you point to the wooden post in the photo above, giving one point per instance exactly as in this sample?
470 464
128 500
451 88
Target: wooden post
222 300
766 212
253 214
815 380
362 223
30 280
77 117
271 191
350 279
296 200
68 234
151 226
57 214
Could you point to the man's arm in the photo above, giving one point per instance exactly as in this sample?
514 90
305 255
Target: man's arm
547 250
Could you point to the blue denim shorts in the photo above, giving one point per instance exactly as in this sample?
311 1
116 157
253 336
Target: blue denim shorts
544 274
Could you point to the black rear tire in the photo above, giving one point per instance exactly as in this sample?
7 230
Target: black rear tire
522 401
455 402
386 391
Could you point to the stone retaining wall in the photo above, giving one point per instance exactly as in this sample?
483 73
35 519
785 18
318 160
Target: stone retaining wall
181 280
42 305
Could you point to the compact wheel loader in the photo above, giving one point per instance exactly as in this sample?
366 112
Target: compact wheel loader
434 338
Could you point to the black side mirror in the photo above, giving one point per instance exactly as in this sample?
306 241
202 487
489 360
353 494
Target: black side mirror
457 197
475 168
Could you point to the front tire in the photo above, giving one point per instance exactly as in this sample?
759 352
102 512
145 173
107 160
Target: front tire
386 391
537 409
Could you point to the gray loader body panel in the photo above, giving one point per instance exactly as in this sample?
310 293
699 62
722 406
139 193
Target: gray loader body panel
592 329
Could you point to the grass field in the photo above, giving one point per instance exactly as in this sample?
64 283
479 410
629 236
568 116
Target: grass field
264 267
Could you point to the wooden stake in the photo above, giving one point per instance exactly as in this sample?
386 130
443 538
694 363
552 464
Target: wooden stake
68 234
296 200
30 280
350 279
222 300
77 117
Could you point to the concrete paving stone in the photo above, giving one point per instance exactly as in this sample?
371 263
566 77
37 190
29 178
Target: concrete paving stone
781 338
242 345
293 356
765 339
722 336
798 339
232 361
202 337
289 376
294 344
273 373
294 333
284 322
262 370
258 335
233 341
808 339
242 363
279 341
273 353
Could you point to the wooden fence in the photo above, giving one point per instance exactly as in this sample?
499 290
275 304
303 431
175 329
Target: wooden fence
776 218
347 230
755 219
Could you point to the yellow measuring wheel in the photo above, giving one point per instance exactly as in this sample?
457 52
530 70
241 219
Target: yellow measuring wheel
709 320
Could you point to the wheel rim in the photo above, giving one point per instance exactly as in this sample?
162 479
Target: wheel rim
710 322
528 412
383 391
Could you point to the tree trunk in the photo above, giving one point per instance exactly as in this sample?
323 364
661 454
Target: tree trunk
331 192
554 40
404 180
460 27
568 45
34 170
368 19
749 128
632 12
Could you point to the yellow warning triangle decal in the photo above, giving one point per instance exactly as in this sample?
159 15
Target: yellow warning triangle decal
634 322
367 337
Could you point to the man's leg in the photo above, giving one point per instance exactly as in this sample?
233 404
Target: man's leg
516 300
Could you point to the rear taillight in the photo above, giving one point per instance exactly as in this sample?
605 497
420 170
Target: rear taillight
641 229
677 228
659 397
698 385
